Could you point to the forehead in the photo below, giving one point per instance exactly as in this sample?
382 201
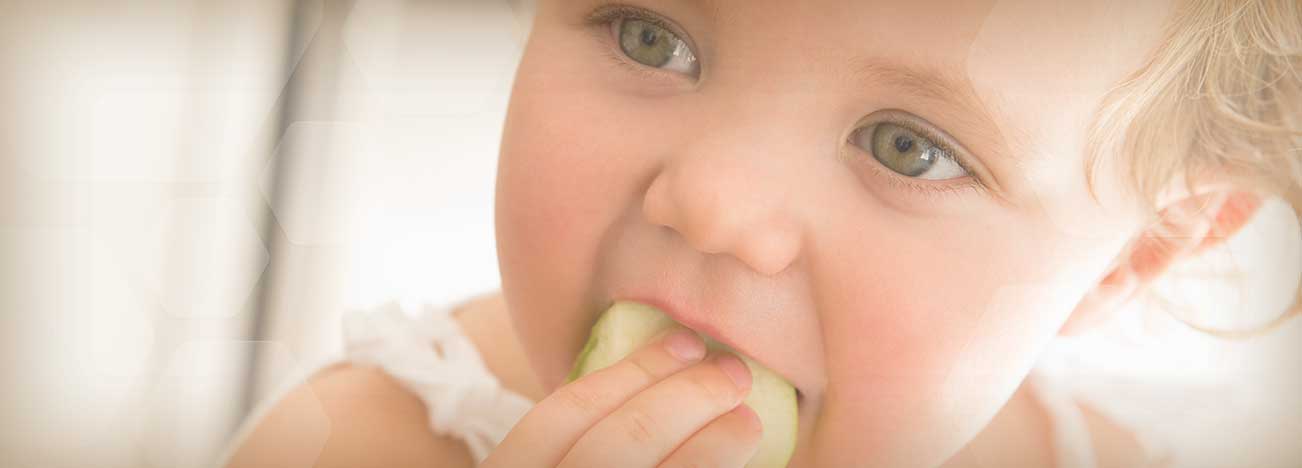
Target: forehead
1083 42
1060 58
1040 66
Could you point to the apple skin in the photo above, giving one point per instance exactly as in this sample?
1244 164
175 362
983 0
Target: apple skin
627 326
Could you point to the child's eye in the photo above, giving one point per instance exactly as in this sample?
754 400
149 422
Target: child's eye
655 46
906 152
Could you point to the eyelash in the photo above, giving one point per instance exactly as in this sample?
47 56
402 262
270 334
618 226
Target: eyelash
602 19
608 14
920 186
939 190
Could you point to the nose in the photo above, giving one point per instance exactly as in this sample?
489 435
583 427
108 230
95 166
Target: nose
733 196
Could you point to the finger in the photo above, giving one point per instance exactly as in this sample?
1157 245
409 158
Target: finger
729 441
645 430
547 432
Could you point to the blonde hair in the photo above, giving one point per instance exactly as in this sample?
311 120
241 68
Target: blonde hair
1222 95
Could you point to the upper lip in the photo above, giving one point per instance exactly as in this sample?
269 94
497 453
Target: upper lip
694 322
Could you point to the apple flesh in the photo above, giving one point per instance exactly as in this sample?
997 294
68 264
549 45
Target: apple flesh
627 326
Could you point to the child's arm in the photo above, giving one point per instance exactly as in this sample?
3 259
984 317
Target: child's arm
348 416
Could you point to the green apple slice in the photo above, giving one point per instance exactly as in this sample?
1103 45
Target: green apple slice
627 326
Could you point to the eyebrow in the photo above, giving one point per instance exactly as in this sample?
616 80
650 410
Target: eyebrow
941 85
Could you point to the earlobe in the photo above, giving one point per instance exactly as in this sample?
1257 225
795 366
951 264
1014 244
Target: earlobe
1189 227
1113 292
1236 210
1185 228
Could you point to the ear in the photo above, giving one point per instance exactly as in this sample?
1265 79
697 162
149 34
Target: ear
1185 226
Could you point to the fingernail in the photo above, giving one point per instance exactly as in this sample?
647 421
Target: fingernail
736 370
685 345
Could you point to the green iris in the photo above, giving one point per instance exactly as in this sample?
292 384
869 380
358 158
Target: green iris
904 151
647 43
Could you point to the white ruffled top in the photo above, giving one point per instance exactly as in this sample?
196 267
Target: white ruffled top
431 357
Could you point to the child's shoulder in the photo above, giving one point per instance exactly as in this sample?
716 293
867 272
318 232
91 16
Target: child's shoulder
348 415
332 419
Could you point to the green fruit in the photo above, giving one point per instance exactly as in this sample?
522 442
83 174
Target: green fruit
627 326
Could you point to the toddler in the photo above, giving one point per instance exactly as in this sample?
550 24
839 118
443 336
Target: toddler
897 206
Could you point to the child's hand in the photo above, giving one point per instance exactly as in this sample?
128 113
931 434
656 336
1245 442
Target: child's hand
660 406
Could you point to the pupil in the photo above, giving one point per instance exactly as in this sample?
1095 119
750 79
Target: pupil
649 37
903 143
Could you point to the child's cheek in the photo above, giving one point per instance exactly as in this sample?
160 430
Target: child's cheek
562 182
925 342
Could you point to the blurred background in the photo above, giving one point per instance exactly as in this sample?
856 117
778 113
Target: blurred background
193 192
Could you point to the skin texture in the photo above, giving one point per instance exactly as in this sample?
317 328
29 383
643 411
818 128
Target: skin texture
906 312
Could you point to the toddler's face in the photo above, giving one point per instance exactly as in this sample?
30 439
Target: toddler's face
886 202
